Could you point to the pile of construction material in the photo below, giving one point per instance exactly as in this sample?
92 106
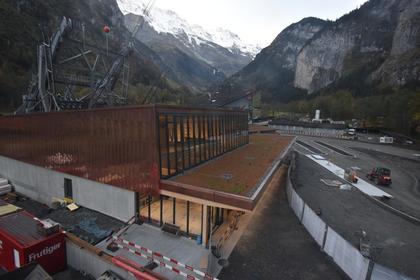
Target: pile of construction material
5 187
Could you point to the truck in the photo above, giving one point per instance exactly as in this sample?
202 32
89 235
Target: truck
380 175
351 133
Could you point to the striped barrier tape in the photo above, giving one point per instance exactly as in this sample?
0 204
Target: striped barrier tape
159 255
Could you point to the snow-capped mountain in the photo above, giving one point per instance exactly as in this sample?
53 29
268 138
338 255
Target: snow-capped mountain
167 21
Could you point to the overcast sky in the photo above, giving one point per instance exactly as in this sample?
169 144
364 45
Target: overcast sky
256 21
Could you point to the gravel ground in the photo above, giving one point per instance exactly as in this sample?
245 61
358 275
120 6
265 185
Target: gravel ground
276 246
405 176
405 168
395 242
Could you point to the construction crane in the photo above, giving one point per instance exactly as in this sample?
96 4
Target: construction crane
42 94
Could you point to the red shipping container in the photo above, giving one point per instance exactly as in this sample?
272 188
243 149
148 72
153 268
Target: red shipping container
21 243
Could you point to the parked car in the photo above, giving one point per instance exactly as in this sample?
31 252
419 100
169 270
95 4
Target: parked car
380 175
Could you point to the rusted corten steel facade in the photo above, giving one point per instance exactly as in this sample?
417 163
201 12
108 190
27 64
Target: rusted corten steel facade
111 146
127 147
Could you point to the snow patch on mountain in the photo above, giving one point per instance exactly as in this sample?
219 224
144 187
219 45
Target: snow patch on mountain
167 21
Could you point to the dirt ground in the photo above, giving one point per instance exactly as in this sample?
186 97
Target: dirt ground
239 171
276 246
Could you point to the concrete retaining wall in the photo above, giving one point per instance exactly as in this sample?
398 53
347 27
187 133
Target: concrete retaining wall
315 226
84 261
43 185
344 254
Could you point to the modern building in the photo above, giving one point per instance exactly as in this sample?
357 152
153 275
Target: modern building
188 169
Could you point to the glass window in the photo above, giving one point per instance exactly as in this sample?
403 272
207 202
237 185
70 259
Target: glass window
197 134
179 141
171 139
168 210
188 140
144 208
186 143
163 146
191 140
195 218
181 214
206 138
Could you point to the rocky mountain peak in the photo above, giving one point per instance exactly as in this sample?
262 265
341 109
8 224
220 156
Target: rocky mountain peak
167 21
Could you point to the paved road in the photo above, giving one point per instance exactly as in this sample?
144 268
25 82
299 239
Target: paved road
404 166
276 246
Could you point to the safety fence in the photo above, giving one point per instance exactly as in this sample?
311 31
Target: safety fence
88 262
171 264
319 132
344 254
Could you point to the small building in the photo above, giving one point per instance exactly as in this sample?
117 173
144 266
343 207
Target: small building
22 241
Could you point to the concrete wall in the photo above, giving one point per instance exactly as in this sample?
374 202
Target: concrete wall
84 261
43 185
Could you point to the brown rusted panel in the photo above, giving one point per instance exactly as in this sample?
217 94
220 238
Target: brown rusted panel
196 110
116 146
234 200
187 190
207 194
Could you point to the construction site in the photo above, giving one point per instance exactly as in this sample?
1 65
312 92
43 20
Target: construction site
152 190
92 188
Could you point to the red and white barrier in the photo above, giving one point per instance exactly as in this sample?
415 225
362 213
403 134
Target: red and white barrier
141 252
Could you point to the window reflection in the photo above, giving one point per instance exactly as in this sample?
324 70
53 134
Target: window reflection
187 140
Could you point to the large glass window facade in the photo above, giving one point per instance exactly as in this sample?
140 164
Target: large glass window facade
162 209
188 139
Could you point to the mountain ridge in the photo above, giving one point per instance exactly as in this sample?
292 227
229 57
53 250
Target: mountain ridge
365 51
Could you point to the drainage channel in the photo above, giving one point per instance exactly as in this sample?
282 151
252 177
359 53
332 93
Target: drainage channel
310 148
335 149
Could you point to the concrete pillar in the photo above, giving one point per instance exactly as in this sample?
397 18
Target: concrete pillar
205 229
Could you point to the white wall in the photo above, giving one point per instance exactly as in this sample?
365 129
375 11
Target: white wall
315 226
83 260
380 272
346 256
43 185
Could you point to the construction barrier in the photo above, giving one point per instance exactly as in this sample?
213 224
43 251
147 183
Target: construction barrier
315 226
346 256
320 132
166 262
297 204
88 262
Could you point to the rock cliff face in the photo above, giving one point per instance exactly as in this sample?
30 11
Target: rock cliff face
371 48
375 39
403 64
273 69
